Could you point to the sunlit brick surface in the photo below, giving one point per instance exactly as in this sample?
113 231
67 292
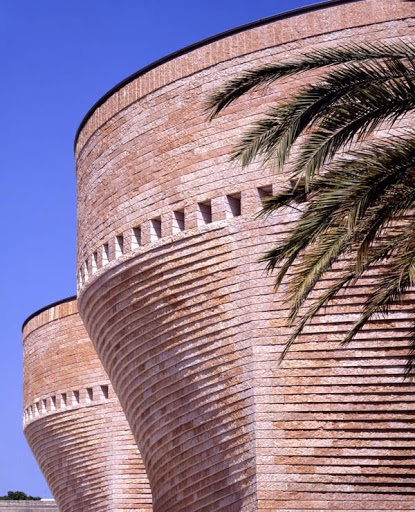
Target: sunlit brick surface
185 320
73 421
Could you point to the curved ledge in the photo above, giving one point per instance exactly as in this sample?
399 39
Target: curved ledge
49 306
204 42
63 402
228 210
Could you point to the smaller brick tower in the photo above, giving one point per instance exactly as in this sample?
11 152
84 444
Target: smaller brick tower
73 421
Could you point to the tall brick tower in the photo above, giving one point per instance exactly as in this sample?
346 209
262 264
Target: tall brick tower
73 421
187 324
184 318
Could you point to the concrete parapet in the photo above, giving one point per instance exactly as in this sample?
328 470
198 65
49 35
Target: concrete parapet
29 506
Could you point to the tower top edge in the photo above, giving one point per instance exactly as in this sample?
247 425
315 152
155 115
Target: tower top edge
204 42
45 308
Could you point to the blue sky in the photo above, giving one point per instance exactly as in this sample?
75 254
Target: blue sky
58 58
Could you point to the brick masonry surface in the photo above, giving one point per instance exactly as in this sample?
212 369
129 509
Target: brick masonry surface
73 421
187 324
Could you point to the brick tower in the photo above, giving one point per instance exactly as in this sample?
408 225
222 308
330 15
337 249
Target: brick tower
183 317
73 421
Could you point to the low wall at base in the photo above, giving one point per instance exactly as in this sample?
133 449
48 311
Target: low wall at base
29 506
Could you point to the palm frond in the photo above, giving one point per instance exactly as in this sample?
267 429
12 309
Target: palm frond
349 277
368 189
266 75
390 287
359 116
357 196
273 136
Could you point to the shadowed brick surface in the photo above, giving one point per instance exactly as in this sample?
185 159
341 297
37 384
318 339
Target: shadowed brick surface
187 324
73 421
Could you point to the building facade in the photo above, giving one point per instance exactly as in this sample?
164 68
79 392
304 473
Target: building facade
186 323
73 421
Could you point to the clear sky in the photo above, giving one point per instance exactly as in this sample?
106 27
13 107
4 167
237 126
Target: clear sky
57 58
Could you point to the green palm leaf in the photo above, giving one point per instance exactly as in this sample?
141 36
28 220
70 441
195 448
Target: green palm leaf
345 95
266 75
359 194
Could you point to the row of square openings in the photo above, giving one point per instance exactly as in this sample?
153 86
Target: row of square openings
64 400
204 217
178 225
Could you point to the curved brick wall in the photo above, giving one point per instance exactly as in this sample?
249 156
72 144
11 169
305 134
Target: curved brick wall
186 322
73 421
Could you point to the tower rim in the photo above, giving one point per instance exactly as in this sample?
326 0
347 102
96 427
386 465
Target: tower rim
48 306
203 42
